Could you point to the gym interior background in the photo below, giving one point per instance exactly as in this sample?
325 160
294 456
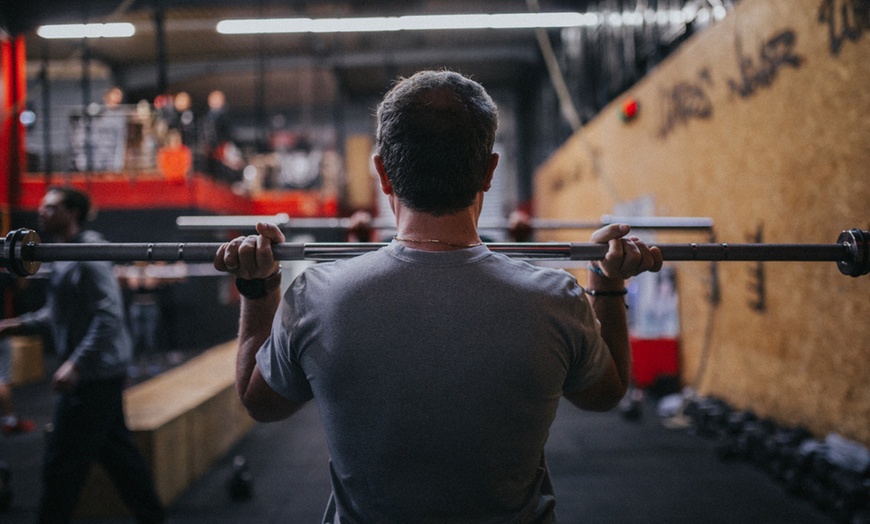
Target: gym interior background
749 112
296 101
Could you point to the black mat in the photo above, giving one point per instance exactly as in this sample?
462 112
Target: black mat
605 468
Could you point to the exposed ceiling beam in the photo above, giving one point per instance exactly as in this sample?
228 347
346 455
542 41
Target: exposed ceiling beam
143 76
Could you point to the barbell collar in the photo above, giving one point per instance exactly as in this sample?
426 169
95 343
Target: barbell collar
857 263
10 252
22 252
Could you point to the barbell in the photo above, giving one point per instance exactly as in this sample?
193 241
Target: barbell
21 252
285 222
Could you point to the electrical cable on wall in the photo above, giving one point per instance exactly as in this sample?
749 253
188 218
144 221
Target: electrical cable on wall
566 104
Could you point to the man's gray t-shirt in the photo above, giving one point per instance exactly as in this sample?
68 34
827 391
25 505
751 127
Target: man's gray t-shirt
437 376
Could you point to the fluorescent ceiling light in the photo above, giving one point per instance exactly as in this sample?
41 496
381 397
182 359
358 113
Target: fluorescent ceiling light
115 30
662 17
406 23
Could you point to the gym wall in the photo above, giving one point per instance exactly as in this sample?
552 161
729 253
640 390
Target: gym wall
760 122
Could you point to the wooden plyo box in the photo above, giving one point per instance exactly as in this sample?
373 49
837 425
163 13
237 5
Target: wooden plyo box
27 361
183 421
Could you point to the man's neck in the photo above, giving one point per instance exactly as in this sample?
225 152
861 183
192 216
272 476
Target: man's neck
437 233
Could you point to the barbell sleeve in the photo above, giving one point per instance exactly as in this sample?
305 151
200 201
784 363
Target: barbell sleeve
22 252
285 222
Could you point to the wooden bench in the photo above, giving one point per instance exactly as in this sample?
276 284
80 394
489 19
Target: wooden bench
183 421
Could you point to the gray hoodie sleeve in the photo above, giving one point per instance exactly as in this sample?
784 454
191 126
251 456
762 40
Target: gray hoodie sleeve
102 348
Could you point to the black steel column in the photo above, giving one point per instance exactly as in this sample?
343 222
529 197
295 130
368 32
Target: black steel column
260 91
44 84
160 41
86 93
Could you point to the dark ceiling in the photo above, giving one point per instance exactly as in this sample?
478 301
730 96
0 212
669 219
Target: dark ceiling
278 70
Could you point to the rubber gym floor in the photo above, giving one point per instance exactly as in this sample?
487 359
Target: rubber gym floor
605 468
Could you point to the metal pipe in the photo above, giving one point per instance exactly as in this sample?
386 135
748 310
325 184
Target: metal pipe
283 221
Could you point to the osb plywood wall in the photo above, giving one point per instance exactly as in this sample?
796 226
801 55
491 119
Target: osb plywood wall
762 123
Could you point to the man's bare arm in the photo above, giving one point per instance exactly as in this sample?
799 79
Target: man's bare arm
626 257
251 258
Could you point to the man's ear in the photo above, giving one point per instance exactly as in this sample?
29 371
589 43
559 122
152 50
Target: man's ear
490 171
386 187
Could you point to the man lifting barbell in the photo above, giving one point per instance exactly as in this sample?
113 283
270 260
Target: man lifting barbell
437 364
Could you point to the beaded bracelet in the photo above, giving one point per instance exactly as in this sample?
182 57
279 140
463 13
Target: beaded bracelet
595 269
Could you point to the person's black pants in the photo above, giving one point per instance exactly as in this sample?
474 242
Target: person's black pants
89 427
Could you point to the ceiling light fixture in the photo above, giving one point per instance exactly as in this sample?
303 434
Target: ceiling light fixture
407 23
662 17
113 30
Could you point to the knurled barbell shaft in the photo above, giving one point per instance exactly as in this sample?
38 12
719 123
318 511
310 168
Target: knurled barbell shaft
21 249
205 251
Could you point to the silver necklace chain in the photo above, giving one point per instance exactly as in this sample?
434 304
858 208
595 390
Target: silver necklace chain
436 241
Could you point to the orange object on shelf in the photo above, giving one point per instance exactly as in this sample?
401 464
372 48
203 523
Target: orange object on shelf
175 162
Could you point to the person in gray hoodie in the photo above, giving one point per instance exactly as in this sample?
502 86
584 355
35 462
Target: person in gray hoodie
84 312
